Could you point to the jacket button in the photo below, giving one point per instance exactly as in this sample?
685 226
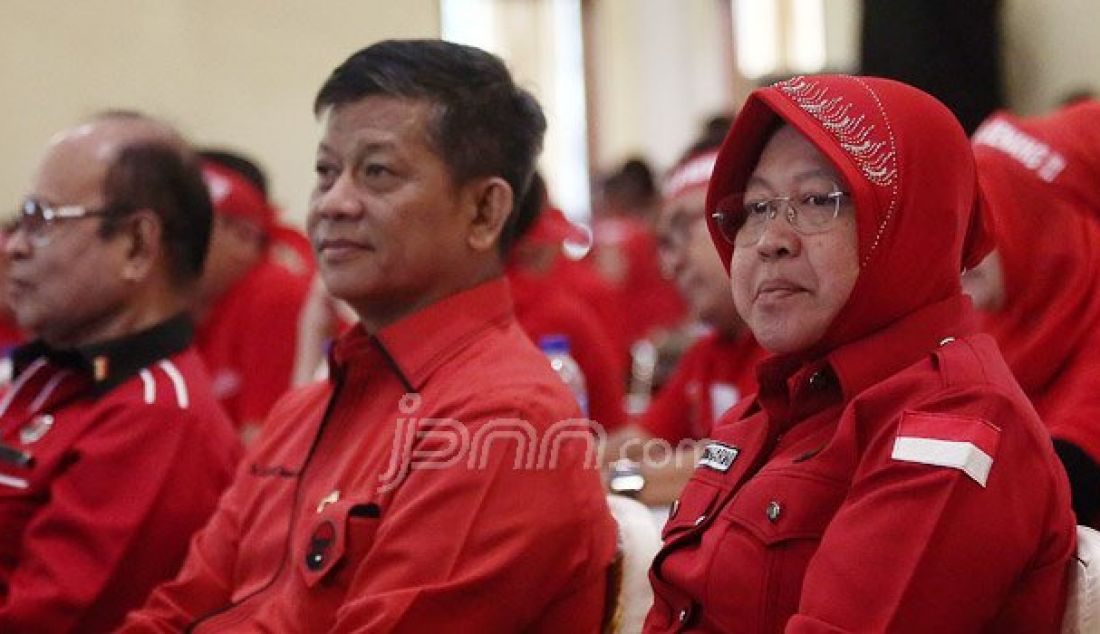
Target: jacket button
699 520
675 507
773 511
819 380
946 340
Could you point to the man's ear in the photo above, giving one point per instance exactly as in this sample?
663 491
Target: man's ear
493 201
143 230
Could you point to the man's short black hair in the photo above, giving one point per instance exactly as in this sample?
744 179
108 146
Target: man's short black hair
530 206
166 179
484 124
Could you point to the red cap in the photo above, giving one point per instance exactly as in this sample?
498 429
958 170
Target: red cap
552 227
690 174
233 195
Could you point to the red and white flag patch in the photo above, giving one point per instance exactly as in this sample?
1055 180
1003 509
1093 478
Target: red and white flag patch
961 442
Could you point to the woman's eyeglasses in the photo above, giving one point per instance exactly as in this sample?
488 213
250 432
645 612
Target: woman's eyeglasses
741 220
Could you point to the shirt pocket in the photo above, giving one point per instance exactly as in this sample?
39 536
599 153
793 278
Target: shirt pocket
774 527
335 540
691 509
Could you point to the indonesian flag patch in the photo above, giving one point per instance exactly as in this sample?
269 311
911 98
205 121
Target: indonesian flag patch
961 442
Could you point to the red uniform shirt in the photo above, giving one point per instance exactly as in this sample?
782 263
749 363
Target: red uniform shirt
713 375
249 340
329 529
542 308
815 526
124 453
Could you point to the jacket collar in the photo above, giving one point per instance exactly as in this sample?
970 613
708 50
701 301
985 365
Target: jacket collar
110 363
414 346
852 368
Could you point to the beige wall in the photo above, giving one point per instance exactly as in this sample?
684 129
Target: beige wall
231 72
660 68
243 72
1051 48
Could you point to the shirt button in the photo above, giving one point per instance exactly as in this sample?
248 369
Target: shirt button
773 511
699 520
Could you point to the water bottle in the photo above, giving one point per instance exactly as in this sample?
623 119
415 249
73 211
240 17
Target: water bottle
556 348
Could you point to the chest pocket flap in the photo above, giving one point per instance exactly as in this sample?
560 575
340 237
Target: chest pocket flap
779 505
692 508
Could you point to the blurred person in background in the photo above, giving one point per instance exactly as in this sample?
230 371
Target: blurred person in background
288 245
249 301
624 252
1039 288
547 302
716 371
114 450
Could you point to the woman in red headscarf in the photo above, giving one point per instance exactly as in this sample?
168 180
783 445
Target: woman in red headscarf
890 475
1040 288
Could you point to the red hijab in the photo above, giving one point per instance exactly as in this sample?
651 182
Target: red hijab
910 171
1035 174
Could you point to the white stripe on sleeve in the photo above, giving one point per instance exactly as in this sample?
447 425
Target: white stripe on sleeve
964 456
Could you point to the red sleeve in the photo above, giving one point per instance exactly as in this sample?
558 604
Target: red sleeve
917 547
117 523
205 582
460 547
269 343
603 371
669 414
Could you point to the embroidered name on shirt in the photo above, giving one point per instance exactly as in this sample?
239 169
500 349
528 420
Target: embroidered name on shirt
718 456
944 440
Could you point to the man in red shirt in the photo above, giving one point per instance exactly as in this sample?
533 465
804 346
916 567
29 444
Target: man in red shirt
249 302
114 450
436 482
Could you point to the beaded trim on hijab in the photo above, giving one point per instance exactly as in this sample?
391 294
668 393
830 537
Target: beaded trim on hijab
876 158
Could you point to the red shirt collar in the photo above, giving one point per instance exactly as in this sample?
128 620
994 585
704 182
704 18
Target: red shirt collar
417 344
854 367
862 363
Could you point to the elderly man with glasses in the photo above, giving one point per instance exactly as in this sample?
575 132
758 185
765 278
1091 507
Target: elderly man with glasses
112 447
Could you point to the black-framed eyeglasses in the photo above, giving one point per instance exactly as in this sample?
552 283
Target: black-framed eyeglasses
741 220
35 218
